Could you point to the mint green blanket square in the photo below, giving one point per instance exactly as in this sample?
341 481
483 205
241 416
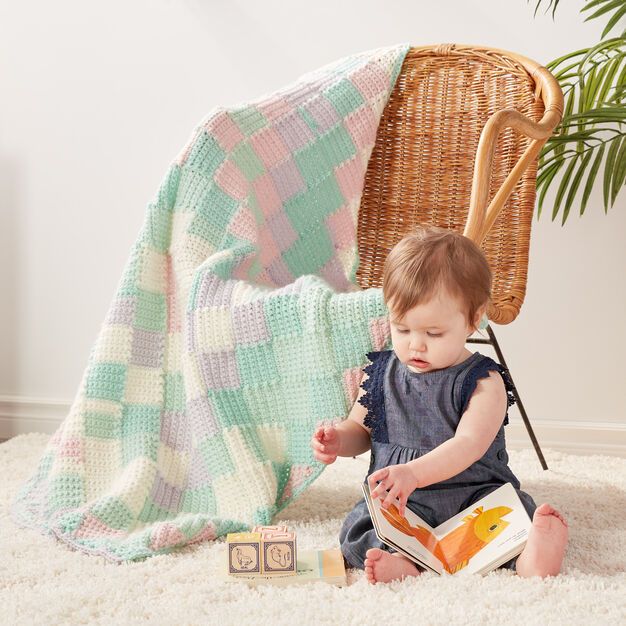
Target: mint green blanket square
251 359
309 209
139 445
101 426
205 156
106 381
216 456
246 159
217 208
327 398
318 160
249 120
348 345
230 407
345 97
282 316
66 489
151 512
174 392
113 512
151 310
309 253
198 500
265 402
140 418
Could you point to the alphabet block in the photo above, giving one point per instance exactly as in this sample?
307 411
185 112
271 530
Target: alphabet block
270 529
279 555
244 554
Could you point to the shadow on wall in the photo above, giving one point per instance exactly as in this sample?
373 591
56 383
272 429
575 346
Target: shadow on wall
9 276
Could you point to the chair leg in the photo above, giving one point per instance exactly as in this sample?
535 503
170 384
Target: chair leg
529 428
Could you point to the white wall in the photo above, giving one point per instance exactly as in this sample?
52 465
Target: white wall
98 99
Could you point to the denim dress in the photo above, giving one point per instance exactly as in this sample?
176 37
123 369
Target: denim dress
411 413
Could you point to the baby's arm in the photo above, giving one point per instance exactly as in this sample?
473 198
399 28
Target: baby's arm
476 431
348 438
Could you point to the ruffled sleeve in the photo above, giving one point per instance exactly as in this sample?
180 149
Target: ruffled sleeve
374 398
481 370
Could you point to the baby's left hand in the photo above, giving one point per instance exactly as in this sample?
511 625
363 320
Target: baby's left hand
398 479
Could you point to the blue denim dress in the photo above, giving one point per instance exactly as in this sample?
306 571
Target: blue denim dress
409 414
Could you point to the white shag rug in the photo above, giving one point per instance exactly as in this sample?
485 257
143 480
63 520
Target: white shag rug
42 582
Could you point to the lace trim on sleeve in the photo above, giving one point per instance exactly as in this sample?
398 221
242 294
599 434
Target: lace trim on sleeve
482 371
373 398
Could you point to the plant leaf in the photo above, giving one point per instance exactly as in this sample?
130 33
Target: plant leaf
587 91
575 184
563 186
592 4
544 166
546 172
553 64
546 185
611 114
604 9
591 178
612 67
580 136
616 17
620 171
608 172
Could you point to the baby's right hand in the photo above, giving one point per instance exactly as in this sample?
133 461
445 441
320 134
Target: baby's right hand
325 444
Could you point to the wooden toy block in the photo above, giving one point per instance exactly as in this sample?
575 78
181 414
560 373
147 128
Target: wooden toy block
271 529
278 553
244 554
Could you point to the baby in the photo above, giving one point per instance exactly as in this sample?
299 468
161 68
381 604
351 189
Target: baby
432 412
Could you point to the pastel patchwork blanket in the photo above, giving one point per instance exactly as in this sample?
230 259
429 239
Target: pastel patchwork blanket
236 328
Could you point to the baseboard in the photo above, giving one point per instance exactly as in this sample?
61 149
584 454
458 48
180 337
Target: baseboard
575 437
20 415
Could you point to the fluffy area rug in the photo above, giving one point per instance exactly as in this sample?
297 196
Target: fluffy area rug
42 582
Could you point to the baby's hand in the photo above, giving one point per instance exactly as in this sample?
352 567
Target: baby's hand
398 479
325 444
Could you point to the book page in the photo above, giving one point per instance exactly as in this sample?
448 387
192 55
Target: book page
409 533
480 535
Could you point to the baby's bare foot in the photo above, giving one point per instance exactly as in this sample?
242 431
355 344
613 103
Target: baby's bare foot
382 566
545 548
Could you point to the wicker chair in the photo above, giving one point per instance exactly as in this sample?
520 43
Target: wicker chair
457 147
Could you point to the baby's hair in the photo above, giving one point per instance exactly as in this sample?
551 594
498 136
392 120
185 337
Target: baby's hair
430 259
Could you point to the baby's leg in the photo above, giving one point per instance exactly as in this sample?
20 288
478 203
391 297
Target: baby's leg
382 566
545 548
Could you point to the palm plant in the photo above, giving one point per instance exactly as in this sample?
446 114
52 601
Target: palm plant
592 131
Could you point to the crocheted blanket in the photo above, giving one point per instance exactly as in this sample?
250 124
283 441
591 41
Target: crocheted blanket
236 328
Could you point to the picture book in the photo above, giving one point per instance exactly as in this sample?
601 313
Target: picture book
312 565
475 541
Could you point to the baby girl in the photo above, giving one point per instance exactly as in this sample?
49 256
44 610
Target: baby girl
432 412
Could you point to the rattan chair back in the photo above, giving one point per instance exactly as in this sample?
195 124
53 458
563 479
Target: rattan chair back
429 164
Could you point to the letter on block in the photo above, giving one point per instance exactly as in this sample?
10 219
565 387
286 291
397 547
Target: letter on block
279 554
244 553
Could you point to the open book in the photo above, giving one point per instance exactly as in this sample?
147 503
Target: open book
482 537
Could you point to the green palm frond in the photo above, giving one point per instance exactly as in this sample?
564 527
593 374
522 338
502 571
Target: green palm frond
592 132
551 3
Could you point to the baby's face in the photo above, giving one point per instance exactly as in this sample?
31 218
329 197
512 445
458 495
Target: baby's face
432 335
